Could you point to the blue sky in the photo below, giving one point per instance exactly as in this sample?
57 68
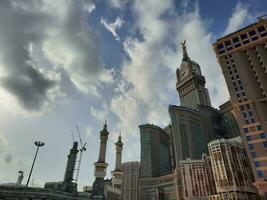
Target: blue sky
64 64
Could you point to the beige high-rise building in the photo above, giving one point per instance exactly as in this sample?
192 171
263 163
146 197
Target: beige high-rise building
243 59
196 178
231 170
130 180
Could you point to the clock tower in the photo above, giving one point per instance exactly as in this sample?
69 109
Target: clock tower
190 83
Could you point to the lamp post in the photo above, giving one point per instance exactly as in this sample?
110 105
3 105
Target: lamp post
38 144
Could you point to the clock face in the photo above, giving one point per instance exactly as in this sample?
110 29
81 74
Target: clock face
184 72
196 70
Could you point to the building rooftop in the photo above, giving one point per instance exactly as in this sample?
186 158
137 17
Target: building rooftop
233 33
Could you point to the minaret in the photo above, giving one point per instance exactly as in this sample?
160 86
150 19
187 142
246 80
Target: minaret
101 166
117 174
20 178
68 185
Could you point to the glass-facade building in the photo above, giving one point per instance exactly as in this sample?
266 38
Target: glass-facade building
155 151
188 135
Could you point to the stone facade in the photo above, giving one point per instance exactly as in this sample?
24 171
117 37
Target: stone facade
196 177
231 170
130 180
242 56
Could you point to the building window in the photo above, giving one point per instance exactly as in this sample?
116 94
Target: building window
249 138
261 29
253 154
262 135
221 52
244 36
265 143
248 106
238 95
253 32
235 39
260 173
252 120
227 43
220 46
247 122
251 146
258 127
257 163
244 115
250 113
246 130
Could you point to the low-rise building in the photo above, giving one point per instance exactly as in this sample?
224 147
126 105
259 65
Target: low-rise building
196 178
231 170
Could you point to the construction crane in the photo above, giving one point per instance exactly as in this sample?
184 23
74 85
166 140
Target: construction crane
82 149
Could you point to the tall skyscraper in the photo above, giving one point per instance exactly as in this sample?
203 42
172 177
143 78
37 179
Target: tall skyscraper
190 83
188 135
229 121
155 151
231 170
243 59
130 180
195 122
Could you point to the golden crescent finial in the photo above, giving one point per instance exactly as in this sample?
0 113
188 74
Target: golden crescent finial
183 43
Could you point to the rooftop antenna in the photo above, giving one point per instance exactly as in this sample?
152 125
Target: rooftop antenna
72 135
82 149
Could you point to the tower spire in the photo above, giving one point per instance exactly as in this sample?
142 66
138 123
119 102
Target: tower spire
185 55
105 126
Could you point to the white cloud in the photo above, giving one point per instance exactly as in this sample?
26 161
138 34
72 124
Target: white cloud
112 27
100 114
239 17
117 3
49 37
89 6
147 85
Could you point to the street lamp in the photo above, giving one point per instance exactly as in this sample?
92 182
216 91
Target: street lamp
38 144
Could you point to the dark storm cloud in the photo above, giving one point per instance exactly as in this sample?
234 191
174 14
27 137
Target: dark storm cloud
58 31
21 25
